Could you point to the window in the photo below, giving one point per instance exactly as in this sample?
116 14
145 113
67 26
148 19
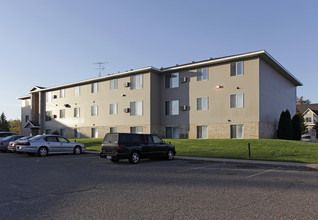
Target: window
94 87
172 80
94 133
308 119
113 130
27 118
62 132
136 82
237 68
202 74
202 132
77 90
136 130
48 131
172 132
48 116
48 97
62 113
77 112
237 101
237 131
26 102
94 110
113 109
203 103
77 133
62 93
136 108
113 84
172 107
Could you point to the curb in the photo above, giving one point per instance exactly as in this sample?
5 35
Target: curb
252 162
240 161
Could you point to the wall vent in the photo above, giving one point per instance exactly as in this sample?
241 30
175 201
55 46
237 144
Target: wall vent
126 110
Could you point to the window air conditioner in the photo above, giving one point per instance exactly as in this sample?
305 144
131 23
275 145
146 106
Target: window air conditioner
184 108
184 80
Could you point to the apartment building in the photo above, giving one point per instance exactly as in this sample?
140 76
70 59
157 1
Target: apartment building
238 96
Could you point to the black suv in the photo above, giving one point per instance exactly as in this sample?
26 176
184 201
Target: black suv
118 146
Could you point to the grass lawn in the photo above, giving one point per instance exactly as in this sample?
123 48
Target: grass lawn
261 149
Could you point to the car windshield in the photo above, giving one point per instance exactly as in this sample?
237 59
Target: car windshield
7 138
36 138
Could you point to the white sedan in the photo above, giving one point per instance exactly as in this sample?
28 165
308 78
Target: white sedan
49 144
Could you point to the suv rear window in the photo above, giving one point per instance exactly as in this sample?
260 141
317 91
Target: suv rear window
111 139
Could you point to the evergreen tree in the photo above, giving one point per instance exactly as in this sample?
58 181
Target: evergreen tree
284 130
296 124
4 124
280 125
289 126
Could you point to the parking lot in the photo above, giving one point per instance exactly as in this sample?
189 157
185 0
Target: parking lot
88 187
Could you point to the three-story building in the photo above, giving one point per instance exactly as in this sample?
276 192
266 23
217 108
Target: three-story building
239 96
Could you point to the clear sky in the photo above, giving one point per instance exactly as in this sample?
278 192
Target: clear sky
54 42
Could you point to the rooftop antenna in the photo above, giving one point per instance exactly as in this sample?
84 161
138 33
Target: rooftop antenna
100 67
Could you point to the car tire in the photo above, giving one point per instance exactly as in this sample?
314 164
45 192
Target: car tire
114 159
43 152
134 157
77 150
170 155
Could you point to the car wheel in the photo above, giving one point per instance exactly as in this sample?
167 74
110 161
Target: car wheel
77 150
134 157
114 159
170 155
43 152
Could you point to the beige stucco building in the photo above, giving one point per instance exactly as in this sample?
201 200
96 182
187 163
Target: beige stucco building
239 96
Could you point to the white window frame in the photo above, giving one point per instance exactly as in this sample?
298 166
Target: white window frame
113 130
77 133
237 100
113 84
175 132
237 68
94 87
62 93
203 103
237 131
113 109
136 108
94 132
202 132
77 90
48 96
203 74
172 107
136 82
77 112
94 110
62 115
136 130
172 80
